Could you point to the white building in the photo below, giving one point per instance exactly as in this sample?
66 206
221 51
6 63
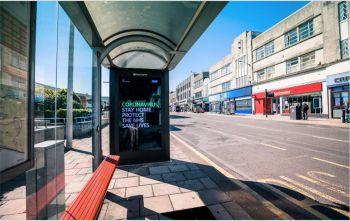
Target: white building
293 59
184 93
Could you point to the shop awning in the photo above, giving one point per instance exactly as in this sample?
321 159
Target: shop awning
131 34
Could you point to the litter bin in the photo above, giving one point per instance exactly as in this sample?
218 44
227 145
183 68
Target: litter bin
295 113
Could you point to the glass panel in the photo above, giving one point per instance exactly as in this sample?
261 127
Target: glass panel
306 30
343 11
291 37
260 53
105 110
292 65
14 47
307 61
269 48
344 48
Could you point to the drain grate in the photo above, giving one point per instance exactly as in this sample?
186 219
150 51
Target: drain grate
199 213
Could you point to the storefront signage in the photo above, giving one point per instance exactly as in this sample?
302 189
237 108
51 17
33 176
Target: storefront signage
338 79
309 88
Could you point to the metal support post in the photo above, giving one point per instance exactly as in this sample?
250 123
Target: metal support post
96 110
69 114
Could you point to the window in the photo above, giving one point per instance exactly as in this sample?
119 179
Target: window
269 48
303 31
198 94
214 75
198 83
344 48
265 50
343 11
306 30
291 37
260 53
225 70
307 61
270 72
226 86
261 75
292 65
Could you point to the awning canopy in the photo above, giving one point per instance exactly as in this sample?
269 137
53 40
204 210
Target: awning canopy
131 34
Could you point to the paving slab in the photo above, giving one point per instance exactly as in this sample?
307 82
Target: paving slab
126 182
12 207
219 212
139 191
120 173
208 183
213 196
190 185
194 174
158 204
159 170
140 171
185 200
125 209
115 195
165 189
178 168
152 179
173 177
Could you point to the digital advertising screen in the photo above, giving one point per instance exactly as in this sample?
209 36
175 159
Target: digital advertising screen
140 120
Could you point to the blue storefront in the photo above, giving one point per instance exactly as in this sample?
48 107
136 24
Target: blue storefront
237 101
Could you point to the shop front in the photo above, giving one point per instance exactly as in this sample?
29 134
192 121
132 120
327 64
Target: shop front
283 99
201 105
338 87
237 101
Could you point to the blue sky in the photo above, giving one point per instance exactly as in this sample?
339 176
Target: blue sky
214 44
235 18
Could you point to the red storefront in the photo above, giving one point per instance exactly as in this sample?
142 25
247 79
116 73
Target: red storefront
286 97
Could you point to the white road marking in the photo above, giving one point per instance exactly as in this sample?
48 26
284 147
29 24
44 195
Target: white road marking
305 204
325 196
323 185
263 128
332 139
269 145
326 161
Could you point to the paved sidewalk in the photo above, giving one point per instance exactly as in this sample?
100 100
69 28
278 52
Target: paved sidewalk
310 121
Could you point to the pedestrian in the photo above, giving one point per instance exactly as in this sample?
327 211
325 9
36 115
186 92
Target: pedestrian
305 111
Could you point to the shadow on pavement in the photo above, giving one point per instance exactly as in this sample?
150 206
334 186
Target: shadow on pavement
254 207
172 116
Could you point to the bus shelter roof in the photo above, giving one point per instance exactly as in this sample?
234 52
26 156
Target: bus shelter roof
142 34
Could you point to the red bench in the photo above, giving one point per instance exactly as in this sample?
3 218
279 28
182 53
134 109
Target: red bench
89 201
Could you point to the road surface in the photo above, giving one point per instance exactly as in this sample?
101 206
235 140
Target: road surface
309 159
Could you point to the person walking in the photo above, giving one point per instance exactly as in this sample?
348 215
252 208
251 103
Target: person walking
305 111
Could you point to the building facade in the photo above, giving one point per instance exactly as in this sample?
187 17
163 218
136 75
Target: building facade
230 84
200 91
172 101
292 59
184 93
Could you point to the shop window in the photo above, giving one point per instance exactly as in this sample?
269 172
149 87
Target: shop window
292 65
307 61
343 11
344 48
